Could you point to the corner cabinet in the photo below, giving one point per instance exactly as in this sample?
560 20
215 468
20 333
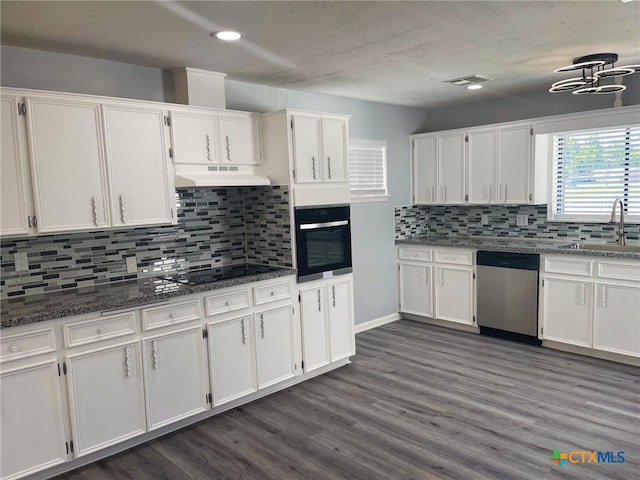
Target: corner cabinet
308 150
592 303
494 164
437 283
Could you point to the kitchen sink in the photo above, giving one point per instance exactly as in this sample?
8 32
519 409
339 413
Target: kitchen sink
605 247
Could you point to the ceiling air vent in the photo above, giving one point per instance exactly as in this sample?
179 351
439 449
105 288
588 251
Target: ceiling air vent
466 81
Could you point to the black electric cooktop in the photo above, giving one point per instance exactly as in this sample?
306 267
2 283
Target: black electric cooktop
199 277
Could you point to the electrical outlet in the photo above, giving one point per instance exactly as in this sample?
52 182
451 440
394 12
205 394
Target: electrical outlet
21 262
484 219
522 220
132 264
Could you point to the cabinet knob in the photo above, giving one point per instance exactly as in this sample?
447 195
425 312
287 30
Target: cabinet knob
227 303
272 293
173 315
102 330
15 347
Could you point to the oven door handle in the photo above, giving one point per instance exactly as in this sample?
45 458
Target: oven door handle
312 226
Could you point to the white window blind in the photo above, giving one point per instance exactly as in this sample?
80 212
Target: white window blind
368 168
591 169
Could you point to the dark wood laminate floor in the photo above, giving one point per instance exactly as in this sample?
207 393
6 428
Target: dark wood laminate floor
417 402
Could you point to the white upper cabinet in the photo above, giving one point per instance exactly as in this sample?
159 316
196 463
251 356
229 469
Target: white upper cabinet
482 166
478 166
67 164
451 170
425 170
16 214
239 140
193 136
142 190
306 149
334 150
515 145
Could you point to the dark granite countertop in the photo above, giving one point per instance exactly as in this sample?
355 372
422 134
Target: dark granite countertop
135 293
513 244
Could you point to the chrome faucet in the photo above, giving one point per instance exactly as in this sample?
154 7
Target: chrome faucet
620 230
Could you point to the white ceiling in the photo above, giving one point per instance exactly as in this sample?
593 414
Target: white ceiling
389 52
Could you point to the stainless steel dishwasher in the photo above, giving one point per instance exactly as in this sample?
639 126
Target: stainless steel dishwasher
507 291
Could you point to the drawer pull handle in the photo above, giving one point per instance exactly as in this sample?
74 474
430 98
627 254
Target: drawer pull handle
102 330
15 347
173 315
227 303
273 293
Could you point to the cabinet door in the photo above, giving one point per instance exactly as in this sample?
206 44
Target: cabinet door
514 163
193 138
315 328
306 149
31 413
232 359
340 307
415 289
142 191
454 294
106 395
174 376
425 170
616 321
567 310
482 161
334 150
67 164
275 345
15 207
239 140
451 175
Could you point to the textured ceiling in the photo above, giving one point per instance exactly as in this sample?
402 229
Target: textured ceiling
389 52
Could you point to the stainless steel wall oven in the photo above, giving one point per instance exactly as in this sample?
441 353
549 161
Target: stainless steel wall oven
323 241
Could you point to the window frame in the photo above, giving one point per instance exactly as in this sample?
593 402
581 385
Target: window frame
579 218
376 197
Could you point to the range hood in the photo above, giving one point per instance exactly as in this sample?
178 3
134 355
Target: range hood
219 176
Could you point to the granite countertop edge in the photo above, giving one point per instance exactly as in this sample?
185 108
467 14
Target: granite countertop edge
18 312
514 245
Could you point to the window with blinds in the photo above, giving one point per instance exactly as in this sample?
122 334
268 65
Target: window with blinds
591 169
368 169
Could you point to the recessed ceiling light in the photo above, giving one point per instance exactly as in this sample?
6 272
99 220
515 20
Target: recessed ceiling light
474 86
227 35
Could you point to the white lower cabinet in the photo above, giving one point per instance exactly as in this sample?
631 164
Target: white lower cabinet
232 359
31 413
616 323
275 349
592 303
454 294
174 376
106 396
326 309
437 283
567 310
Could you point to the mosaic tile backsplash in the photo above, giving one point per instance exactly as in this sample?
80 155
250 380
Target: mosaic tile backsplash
215 227
467 221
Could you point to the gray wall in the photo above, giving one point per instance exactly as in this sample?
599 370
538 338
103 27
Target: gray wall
373 223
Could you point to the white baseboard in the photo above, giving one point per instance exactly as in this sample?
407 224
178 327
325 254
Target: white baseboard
376 322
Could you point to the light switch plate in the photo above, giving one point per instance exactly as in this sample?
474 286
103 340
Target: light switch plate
21 262
522 220
132 264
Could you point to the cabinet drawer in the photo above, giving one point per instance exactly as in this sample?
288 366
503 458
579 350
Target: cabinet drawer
424 254
96 330
570 266
227 302
165 315
271 293
23 345
619 271
455 257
